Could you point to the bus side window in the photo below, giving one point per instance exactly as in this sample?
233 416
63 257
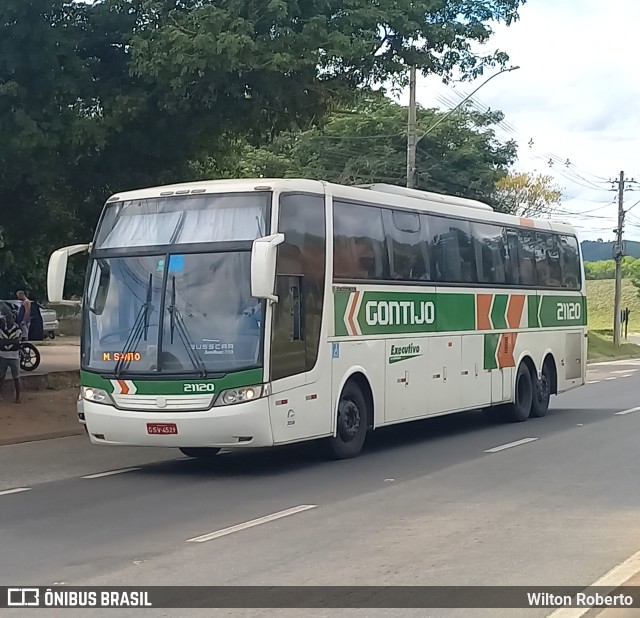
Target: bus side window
490 250
512 257
570 258
360 248
407 241
527 254
452 249
548 260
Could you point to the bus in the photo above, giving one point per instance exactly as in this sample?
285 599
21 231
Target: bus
235 314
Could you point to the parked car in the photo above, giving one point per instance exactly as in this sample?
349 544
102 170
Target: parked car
50 323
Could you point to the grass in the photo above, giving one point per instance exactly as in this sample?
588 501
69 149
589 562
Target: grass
600 318
601 348
600 304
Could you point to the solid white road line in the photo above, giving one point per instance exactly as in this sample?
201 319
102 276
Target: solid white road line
250 524
17 490
110 473
617 576
629 411
497 449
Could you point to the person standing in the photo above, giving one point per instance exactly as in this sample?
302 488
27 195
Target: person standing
24 314
10 352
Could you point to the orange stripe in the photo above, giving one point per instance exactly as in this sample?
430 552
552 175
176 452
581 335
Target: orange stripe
483 308
124 388
351 317
527 222
506 347
514 310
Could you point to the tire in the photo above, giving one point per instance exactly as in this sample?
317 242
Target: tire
29 356
52 335
541 393
520 409
351 424
204 452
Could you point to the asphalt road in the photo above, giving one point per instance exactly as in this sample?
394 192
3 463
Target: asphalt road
425 504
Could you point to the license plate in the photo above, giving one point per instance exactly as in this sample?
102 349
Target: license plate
162 428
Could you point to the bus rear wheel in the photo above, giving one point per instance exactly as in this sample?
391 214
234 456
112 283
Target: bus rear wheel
541 393
520 409
351 424
200 452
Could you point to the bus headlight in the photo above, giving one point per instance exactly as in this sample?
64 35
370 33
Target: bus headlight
239 395
97 395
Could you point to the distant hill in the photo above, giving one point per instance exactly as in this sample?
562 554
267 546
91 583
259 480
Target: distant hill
596 250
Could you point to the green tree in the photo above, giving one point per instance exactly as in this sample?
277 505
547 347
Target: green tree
275 65
366 143
528 195
103 96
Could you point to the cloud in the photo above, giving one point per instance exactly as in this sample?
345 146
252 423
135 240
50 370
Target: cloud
575 96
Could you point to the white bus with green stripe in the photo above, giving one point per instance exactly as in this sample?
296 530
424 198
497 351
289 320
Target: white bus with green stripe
253 313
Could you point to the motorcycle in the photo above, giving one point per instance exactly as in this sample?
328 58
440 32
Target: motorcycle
29 356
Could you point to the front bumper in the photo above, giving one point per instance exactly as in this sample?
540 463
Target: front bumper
243 425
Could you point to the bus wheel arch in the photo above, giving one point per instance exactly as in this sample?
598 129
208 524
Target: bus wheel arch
354 417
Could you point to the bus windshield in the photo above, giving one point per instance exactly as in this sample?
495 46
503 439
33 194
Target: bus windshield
184 220
172 314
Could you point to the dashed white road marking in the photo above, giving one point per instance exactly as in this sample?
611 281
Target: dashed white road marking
252 523
615 378
497 449
629 411
16 490
624 371
109 473
611 580
593 381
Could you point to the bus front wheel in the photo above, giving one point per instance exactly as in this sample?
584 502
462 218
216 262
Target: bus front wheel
200 452
351 424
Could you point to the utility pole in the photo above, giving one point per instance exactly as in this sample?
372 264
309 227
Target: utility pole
618 258
412 138
411 131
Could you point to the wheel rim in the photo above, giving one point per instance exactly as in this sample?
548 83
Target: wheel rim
348 420
543 389
29 357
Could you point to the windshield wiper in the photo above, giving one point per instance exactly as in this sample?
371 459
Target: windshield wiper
140 326
146 306
178 321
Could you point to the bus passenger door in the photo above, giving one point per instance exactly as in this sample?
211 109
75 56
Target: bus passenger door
298 407
406 363
443 377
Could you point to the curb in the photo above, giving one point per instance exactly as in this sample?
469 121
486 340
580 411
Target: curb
53 380
613 359
42 436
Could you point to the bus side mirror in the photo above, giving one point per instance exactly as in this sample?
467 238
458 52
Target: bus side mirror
57 272
263 266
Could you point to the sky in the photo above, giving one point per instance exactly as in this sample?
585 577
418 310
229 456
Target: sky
575 99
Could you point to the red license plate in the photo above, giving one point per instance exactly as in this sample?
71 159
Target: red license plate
162 428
